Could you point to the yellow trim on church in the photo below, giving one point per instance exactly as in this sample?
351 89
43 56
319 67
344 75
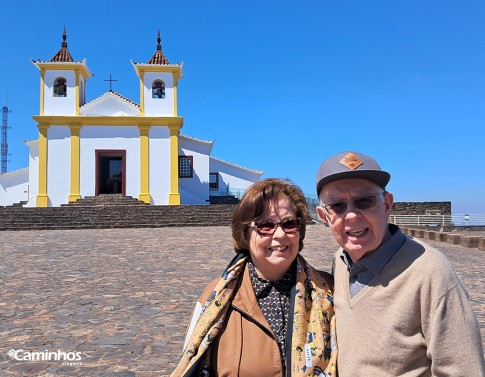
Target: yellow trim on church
175 98
174 195
89 120
74 193
144 165
176 70
55 66
42 199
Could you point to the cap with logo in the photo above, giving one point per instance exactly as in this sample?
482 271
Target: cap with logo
351 165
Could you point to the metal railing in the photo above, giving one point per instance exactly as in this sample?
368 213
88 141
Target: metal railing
236 192
421 220
438 220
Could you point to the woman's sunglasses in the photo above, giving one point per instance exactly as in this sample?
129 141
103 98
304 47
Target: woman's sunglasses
268 227
362 202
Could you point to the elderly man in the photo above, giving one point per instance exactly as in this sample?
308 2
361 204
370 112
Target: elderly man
401 309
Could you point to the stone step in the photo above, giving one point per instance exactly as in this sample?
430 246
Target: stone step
96 215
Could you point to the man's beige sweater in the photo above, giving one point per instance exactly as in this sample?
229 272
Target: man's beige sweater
414 319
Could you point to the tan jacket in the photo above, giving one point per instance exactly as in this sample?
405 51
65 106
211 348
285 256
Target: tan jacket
246 345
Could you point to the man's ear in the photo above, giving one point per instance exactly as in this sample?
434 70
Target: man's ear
388 201
322 215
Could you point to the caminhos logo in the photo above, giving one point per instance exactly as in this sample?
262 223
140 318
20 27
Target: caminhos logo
67 358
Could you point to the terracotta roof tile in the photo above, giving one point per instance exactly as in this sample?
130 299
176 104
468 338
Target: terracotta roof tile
63 54
158 57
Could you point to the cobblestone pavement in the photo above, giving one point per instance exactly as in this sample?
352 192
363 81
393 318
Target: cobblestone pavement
122 297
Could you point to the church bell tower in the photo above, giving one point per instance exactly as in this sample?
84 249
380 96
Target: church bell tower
62 83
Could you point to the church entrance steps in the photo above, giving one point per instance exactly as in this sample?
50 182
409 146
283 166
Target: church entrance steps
83 216
106 200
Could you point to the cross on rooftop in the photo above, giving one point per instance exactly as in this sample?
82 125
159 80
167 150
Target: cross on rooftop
110 82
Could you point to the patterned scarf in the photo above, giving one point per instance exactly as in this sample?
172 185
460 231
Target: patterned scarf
313 347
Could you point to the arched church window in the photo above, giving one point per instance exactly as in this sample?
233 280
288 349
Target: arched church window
60 87
158 89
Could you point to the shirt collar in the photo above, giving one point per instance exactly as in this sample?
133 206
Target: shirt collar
283 284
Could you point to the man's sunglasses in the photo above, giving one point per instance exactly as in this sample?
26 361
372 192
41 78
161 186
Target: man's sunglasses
362 202
268 227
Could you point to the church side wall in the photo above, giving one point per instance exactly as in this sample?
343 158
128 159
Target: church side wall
58 164
33 174
159 165
195 190
158 106
59 105
232 177
14 187
109 138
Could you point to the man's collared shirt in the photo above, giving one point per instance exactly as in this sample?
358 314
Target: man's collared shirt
364 270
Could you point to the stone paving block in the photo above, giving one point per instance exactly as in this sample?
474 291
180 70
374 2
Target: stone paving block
481 244
123 297
453 239
441 237
469 241
429 234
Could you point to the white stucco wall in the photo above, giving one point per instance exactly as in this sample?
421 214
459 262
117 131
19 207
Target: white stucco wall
109 138
158 106
195 190
59 105
159 165
14 187
232 177
33 173
58 164
110 104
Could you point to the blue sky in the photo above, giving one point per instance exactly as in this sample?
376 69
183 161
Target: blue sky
281 85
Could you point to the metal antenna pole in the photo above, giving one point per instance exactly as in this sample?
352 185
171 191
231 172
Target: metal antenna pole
4 138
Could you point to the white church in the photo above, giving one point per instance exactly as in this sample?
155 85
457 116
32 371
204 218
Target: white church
113 145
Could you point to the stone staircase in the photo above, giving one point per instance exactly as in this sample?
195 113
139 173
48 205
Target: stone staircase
113 211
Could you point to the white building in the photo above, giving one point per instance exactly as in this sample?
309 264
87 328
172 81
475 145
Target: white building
112 145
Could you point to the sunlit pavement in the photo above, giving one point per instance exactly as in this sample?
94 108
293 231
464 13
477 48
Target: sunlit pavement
117 301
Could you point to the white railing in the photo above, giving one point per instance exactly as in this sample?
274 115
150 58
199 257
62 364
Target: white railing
438 220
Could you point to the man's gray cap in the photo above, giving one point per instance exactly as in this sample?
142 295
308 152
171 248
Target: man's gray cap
351 165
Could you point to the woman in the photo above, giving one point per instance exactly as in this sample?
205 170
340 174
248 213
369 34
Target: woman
271 312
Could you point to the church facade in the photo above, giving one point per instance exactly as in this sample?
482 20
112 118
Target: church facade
113 145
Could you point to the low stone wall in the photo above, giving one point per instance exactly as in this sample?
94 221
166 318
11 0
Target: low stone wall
421 208
467 240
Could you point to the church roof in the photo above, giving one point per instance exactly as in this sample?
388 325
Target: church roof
15 172
199 141
158 60
259 172
110 93
63 55
158 57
